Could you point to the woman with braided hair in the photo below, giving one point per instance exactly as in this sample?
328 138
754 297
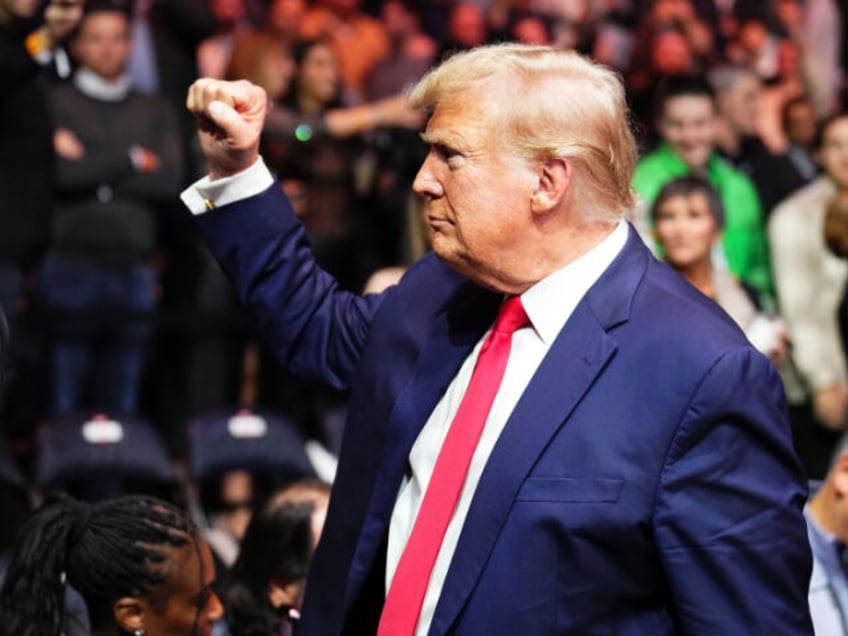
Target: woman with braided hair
139 563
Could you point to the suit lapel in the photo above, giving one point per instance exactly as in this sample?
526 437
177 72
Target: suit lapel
576 358
454 332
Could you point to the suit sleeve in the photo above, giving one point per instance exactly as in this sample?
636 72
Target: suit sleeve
728 515
313 327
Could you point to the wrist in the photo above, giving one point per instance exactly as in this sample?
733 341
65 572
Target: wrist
378 117
222 170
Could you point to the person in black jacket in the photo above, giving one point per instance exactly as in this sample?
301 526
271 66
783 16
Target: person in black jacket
26 153
119 160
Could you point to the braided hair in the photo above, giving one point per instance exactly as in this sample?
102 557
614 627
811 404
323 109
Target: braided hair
106 551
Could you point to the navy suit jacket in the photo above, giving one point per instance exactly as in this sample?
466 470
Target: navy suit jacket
644 484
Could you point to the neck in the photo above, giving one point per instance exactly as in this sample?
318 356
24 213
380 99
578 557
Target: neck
700 276
99 87
308 105
728 139
821 509
546 257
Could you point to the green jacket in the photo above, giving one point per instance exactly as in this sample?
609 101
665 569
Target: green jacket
744 237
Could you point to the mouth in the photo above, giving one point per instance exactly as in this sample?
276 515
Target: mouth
676 246
435 221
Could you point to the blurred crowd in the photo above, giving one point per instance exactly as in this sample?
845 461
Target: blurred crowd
129 367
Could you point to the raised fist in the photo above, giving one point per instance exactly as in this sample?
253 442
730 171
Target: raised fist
230 118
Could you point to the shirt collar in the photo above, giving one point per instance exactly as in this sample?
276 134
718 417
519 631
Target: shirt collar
94 86
828 549
550 302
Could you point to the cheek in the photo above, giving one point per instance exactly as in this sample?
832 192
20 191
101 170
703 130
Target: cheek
706 234
663 231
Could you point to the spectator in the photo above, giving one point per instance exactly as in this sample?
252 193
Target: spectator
814 27
827 526
529 29
810 281
412 51
738 91
164 36
798 120
284 19
324 166
796 77
138 563
229 501
213 53
264 590
261 57
671 40
688 218
27 165
119 158
666 54
685 118
358 40
755 45
466 28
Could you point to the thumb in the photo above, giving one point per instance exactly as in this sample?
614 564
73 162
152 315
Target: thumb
229 120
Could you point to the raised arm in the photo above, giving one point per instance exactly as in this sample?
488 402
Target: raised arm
314 328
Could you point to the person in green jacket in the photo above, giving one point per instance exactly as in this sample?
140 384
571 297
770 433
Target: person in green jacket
685 121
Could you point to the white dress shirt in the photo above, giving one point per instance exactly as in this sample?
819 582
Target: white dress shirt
548 304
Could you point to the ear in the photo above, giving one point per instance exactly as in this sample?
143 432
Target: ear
282 591
553 182
129 614
839 476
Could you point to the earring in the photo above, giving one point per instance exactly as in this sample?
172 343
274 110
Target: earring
138 632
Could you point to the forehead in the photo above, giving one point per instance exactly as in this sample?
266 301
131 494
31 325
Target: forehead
320 51
800 109
836 131
688 107
694 199
190 571
460 119
745 83
101 21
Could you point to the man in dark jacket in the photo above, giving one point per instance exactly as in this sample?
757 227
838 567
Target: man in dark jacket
119 158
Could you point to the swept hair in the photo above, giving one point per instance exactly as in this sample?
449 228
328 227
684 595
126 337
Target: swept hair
106 551
559 105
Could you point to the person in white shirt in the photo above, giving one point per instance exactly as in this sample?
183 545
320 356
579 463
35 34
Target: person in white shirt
611 456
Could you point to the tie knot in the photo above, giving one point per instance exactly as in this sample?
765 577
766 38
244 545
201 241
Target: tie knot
511 316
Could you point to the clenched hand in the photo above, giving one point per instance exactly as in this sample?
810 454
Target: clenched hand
230 117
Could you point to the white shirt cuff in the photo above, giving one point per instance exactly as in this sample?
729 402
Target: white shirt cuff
204 194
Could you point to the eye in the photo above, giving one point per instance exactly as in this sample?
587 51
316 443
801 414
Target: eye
446 152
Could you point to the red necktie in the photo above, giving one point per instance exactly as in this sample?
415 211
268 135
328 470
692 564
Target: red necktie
406 593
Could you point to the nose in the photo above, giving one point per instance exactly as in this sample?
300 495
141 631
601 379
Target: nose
426 184
214 608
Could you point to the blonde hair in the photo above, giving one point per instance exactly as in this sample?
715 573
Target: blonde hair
560 106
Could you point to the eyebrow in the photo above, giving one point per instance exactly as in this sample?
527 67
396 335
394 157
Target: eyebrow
428 138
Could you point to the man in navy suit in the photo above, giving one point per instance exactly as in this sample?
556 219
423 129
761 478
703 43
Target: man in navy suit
635 474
